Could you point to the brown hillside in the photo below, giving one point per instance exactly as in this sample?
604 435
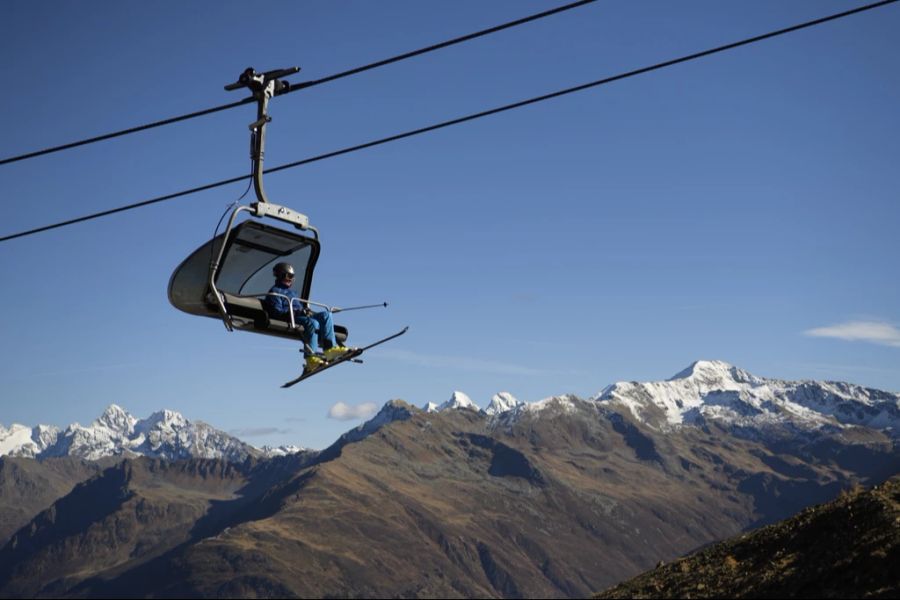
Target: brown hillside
28 486
848 548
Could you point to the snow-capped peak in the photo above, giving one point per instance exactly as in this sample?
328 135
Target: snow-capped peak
20 440
116 419
165 434
458 401
718 391
501 403
715 373
163 419
283 450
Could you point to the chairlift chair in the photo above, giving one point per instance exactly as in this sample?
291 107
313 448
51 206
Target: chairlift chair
229 277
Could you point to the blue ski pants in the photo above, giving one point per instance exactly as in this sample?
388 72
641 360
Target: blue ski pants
318 328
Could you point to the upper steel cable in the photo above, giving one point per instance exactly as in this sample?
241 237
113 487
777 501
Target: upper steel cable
303 85
459 120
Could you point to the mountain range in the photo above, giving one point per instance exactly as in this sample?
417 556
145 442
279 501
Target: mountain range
715 391
557 498
707 391
165 434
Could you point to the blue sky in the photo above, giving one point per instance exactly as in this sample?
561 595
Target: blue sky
742 207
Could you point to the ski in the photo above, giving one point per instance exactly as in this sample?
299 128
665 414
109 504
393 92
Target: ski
352 355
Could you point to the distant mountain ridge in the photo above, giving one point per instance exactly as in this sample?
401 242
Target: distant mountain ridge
715 391
165 434
706 392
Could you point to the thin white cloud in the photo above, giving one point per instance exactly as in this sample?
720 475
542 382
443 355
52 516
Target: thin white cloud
460 362
875 332
344 412
257 431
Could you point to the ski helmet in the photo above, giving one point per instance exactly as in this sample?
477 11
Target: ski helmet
283 268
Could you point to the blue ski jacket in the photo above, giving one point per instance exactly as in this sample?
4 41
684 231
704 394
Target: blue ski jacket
276 305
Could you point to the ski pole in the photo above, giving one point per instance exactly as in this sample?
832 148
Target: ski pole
335 309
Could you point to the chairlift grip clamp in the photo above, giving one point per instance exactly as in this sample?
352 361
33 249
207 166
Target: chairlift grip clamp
258 81
282 213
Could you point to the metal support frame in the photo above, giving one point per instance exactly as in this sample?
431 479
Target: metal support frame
214 270
264 86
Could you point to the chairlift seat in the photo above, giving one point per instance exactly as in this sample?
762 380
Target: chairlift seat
253 313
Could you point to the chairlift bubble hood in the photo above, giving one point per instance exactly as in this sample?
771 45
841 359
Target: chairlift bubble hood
252 250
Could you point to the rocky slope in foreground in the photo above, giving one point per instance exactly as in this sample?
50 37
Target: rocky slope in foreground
848 548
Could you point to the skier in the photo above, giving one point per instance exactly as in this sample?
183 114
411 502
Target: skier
317 327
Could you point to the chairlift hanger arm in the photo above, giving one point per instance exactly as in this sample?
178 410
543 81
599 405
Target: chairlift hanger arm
264 86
